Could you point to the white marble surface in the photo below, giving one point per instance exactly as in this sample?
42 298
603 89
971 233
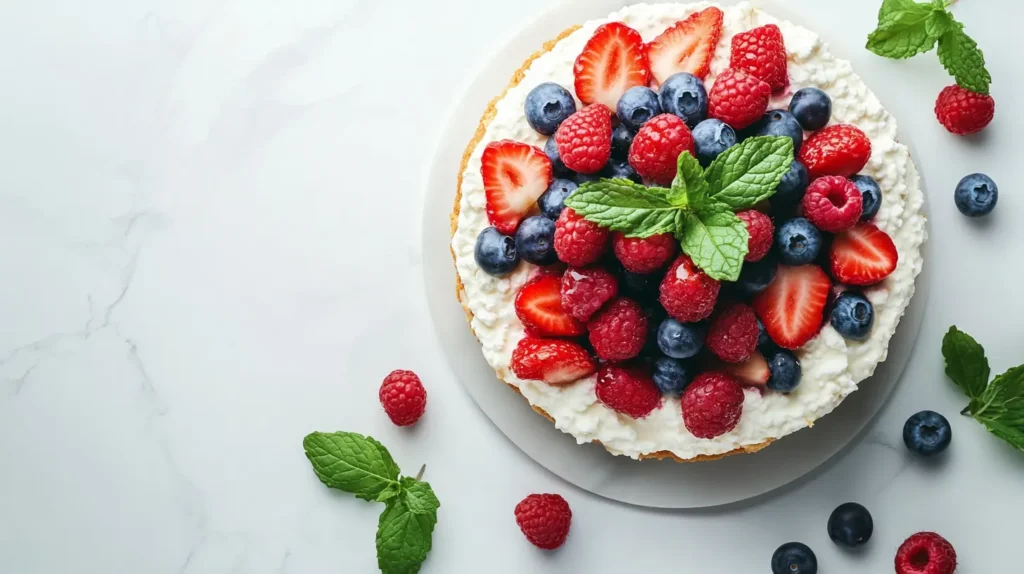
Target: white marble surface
211 212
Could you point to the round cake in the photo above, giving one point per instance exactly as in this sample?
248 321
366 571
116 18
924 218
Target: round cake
686 231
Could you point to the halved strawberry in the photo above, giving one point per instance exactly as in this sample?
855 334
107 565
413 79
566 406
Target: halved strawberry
863 255
688 46
553 361
754 371
515 175
539 307
793 306
613 61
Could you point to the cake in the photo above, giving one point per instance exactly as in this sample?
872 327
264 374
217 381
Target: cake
786 335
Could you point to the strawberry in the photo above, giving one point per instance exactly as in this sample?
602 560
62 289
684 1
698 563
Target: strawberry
753 372
584 139
793 307
836 150
738 99
553 361
515 176
613 61
539 307
863 255
688 46
761 53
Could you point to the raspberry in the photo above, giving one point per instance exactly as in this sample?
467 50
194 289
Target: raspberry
738 99
629 390
732 335
964 112
836 150
761 231
833 203
655 151
644 255
687 293
585 139
926 553
584 291
618 331
712 405
761 53
403 397
544 519
579 242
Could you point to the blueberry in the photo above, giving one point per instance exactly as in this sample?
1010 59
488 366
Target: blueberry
976 195
557 165
794 184
680 340
711 138
581 178
535 240
763 339
547 106
636 106
794 558
552 202
639 286
621 170
799 242
850 525
785 371
871 194
496 253
671 376
622 139
756 276
684 95
927 433
781 123
812 108
853 315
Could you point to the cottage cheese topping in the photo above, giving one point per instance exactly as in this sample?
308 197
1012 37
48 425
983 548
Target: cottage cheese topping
832 366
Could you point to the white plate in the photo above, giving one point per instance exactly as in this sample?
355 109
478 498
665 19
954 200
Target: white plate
660 484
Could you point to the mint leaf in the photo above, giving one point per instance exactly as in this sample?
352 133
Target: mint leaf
905 29
963 59
623 205
716 240
1001 407
938 24
405 528
689 187
419 496
966 363
750 172
353 463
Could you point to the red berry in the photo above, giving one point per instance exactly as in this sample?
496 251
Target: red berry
712 405
553 361
544 519
403 397
687 293
515 175
618 332
629 390
655 151
539 307
644 255
579 242
964 112
836 150
761 53
613 61
732 335
926 553
586 290
761 231
863 255
686 46
752 372
738 98
585 139
833 203
792 308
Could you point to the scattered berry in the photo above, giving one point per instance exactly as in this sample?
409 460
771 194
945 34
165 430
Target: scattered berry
799 241
794 558
812 108
761 53
732 334
738 99
613 61
640 286
870 193
794 184
585 139
535 240
833 204
671 376
619 330
557 165
793 306
687 293
547 106
515 175
853 315
581 178
622 139
782 124
552 202
976 195
616 169
637 106
850 525
579 242
785 371
553 361
644 255
757 276
925 553
863 255
684 95
680 340
964 112
403 397
753 372
544 520
712 405
657 146
539 307
629 390
688 46
761 231
496 253
586 290
836 150
711 138
927 433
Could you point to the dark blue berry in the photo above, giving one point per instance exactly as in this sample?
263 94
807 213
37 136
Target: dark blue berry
763 339
871 194
557 165
496 253
684 95
794 184
547 106
620 170
794 558
535 240
581 178
850 525
711 138
756 276
671 376
927 433
622 139
680 340
552 202
781 123
636 106
785 371
976 195
812 108
639 286
799 241
853 315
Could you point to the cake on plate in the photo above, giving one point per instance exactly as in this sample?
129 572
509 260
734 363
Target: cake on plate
686 231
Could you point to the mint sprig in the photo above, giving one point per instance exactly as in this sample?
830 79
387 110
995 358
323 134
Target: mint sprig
362 466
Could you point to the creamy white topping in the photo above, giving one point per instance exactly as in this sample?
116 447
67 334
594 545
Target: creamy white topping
832 366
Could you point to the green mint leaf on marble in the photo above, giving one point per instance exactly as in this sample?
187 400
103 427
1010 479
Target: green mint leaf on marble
716 240
688 188
405 528
750 172
966 363
353 463
905 29
963 59
623 205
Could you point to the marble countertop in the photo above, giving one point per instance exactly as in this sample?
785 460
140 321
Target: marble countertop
211 212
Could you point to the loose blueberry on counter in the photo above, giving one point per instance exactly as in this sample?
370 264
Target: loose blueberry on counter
671 376
853 315
781 123
798 241
535 240
547 106
794 558
680 340
684 95
927 433
636 106
558 166
812 108
711 138
621 170
794 184
622 139
870 193
763 340
552 202
496 253
850 525
785 369
756 276
976 195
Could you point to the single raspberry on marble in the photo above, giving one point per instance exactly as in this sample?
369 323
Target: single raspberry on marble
579 242
618 332
964 112
926 553
544 520
712 404
403 397
761 231
645 255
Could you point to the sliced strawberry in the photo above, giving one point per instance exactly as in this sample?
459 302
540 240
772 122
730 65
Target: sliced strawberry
551 360
515 175
754 371
863 255
539 307
688 46
613 61
793 306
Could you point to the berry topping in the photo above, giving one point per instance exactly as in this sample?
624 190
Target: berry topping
738 99
761 231
853 315
976 195
539 307
547 106
618 332
752 372
585 139
680 340
711 138
687 46
496 253
964 112
628 390
544 520
613 61
616 169
782 124
732 334
836 150
757 276
761 53
785 371
622 140
553 361
793 306
684 95
926 553
579 242
850 525
657 146
794 184
712 404
812 108
515 175
637 106
552 202
927 433
794 558
799 242
403 397
535 240
833 203
644 255
687 293
870 194
586 290
863 255
671 376
557 165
